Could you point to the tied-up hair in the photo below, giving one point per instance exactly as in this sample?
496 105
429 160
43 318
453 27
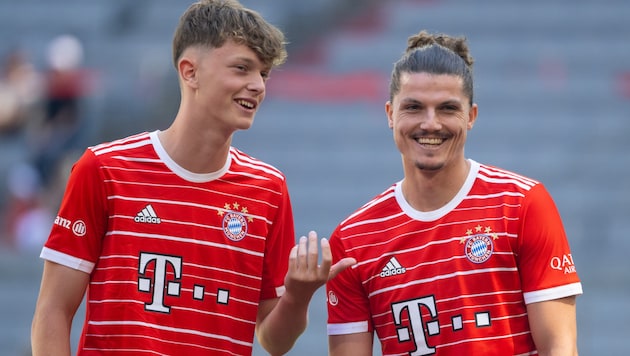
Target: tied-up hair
435 54
213 22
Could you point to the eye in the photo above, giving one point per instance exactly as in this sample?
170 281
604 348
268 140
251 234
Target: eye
264 75
450 108
241 67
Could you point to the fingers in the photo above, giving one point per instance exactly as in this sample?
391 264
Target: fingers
301 253
305 255
293 257
340 266
324 268
305 252
312 250
329 271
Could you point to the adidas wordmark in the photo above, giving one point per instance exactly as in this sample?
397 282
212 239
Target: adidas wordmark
392 268
147 215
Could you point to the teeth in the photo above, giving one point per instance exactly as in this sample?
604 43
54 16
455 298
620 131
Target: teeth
430 141
246 104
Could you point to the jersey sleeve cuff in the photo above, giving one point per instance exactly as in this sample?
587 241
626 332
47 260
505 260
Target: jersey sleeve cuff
553 293
347 328
67 260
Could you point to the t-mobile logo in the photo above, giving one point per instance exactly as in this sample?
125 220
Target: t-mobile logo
160 284
414 311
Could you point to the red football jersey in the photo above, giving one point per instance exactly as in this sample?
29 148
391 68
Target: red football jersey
454 281
178 261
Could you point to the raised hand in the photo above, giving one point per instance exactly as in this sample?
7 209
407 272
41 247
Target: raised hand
305 274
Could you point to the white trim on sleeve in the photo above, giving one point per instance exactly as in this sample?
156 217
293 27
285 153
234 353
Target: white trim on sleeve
67 260
347 328
553 293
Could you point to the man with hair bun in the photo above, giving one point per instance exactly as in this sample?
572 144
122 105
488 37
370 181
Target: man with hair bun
459 257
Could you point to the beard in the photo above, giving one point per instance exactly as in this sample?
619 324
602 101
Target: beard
430 167
429 164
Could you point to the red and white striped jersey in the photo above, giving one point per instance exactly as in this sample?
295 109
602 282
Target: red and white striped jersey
454 281
178 261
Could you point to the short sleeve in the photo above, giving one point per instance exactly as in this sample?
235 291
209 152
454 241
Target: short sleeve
281 240
76 235
545 261
348 305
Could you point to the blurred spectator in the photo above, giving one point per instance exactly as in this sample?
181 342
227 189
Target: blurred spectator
28 220
20 92
67 84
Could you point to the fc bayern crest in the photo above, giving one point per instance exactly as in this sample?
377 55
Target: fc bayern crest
234 226
479 248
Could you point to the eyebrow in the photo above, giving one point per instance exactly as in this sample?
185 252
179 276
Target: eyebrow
251 62
452 102
410 101
244 59
416 101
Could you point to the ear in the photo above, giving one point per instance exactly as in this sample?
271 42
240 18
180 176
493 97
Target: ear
389 110
472 115
187 70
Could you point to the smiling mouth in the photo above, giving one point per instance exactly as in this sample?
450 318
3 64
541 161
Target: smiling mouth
246 104
430 141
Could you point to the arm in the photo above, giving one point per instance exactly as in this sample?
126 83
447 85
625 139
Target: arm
359 344
281 321
60 295
554 327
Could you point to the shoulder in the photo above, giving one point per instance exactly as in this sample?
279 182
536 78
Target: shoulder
382 205
122 145
501 179
497 184
243 163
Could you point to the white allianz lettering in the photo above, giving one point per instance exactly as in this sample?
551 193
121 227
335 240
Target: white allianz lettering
65 223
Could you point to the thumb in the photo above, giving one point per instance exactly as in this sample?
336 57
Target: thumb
340 266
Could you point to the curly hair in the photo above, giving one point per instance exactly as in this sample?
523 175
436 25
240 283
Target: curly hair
213 22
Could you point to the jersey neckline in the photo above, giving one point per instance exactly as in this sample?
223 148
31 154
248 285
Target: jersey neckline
448 207
182 172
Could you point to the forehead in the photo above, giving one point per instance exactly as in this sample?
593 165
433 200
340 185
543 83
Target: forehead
427 82
233 49
228 52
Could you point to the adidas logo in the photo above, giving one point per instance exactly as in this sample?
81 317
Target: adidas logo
393 268
147 215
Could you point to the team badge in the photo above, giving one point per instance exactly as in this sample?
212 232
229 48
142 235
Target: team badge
478 247
235 221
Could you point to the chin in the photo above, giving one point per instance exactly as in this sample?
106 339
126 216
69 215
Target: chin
246 125
429 166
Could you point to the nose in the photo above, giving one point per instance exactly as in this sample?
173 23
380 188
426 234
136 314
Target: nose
430 120
257 84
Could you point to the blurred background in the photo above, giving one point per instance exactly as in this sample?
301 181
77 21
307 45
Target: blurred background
552 84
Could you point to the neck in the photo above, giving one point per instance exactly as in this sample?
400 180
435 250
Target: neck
198 151
431 190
